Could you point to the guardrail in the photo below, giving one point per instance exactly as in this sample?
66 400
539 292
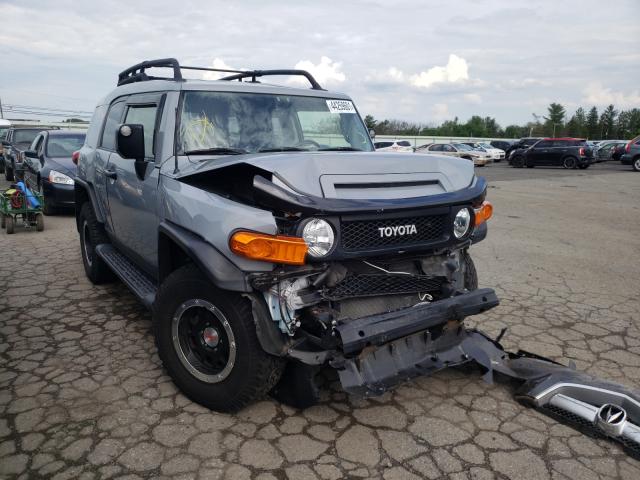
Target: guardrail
418 140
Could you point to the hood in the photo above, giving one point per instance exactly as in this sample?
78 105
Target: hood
353 175
63 165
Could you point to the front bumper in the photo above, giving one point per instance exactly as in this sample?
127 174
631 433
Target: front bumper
394 346
58 195
626 159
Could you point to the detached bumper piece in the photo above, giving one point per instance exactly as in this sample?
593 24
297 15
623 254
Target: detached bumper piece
383 350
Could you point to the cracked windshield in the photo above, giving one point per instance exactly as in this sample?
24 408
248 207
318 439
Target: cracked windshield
234 123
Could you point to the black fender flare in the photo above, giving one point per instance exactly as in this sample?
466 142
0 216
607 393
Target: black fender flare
83 189
218 268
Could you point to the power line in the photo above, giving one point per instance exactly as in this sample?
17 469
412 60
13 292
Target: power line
14 105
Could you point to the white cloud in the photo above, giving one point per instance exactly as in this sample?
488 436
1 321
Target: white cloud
455 71
218 63
472 98
440 111
325 72
597 94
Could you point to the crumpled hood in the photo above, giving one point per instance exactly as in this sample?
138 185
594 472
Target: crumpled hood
352 174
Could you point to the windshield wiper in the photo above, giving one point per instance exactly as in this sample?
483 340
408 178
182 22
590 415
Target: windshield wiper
283 149
340 149
216 151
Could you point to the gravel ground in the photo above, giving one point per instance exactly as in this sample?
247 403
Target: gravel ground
83 394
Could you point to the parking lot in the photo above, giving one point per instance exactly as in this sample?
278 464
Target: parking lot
83 395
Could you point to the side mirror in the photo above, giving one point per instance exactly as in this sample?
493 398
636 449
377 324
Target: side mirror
372 133
31 154
130 142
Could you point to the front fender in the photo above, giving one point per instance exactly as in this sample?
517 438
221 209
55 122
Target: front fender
222 273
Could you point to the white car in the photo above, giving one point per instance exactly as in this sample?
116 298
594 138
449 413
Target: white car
461 150
496 154
399 146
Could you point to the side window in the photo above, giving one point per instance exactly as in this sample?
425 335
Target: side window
114 118
543 144
144 115
448 148
435 148
36 144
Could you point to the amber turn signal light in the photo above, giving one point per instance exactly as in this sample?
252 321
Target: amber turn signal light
483 213
269 248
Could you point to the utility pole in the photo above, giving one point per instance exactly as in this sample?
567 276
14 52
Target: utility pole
1 112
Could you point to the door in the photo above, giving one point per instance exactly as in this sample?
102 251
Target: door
106 146
558 151
449 150
33 165
132 195
539 153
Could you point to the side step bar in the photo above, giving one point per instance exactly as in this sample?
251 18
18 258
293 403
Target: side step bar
134 278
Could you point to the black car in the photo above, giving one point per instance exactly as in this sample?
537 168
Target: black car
4 130
502 144
17 141
521 144
561 152
48 167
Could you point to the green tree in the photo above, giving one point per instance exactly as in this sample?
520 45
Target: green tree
607 122
592 123
554 121
370 122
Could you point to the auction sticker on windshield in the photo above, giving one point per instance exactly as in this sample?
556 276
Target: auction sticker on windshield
340 106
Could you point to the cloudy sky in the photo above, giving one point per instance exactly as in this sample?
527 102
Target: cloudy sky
421 60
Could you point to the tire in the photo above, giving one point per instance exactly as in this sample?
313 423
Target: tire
39 222
224 382
570 162
470 272
10 224
47 209
91 235
8 174
635 164
518 162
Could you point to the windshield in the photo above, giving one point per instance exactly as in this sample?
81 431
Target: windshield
64 145
24 136
462 146
484 145
251 122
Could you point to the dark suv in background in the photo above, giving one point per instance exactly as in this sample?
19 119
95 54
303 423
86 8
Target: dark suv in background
17 141
560 152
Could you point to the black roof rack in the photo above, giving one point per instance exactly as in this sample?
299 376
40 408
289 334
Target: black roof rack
137 73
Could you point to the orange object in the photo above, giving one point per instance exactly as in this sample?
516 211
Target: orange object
484 213
269 248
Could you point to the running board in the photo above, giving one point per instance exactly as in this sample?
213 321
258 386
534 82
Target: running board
138 282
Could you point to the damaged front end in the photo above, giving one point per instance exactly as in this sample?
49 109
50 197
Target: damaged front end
386 300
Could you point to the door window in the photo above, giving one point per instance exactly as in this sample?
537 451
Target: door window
544 144
448 148
435 148
114 118
144 115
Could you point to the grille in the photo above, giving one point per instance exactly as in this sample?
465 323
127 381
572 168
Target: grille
362 234
370 285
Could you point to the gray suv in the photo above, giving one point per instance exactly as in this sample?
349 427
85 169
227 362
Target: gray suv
269 240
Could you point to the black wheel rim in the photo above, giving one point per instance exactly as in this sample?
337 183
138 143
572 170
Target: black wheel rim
203 340
86 244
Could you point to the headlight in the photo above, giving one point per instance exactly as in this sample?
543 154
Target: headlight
319 237
461 223
57 177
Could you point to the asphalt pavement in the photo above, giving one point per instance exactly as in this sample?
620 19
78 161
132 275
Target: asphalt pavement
83 394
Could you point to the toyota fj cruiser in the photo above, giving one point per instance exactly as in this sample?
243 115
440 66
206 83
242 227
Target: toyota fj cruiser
268 239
